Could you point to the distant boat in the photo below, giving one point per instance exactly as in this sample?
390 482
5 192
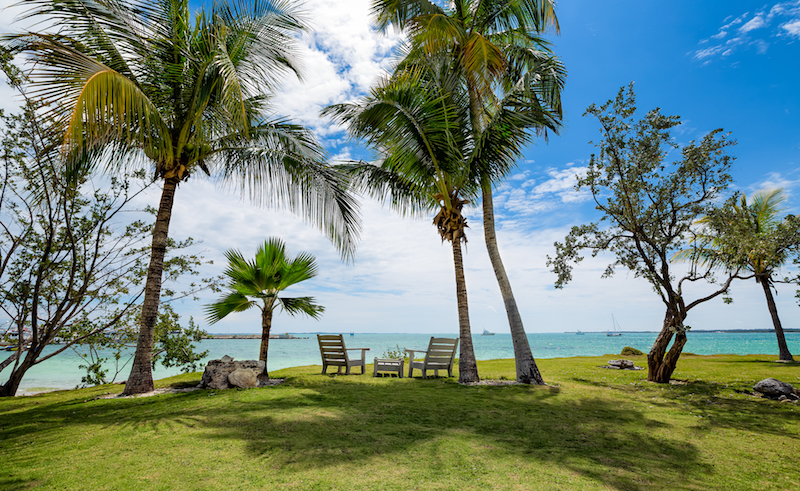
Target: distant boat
580 333
487 333
614 325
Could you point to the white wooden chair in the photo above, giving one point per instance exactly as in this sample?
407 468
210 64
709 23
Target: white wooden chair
439 356
331 347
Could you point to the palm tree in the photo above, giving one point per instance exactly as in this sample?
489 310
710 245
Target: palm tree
751 237
494 47
258 283
134 82
421 131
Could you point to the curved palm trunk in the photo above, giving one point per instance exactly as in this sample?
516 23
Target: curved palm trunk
266 325
783 349
467 366
660 362
140 379
527 371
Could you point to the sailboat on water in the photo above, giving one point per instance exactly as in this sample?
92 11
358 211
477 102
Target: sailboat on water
614 325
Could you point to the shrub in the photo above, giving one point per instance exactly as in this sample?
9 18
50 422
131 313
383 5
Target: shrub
627 350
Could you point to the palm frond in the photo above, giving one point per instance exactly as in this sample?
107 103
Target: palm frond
233 302
524 15
280 165
301 305
400 12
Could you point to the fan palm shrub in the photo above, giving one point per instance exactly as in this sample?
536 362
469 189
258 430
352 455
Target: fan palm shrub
259 283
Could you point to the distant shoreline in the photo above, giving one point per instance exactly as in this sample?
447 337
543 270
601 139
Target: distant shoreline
303 335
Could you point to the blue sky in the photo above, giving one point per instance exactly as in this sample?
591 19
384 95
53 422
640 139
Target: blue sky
728 64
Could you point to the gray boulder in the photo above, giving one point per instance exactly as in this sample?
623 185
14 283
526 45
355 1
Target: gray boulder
217 371
771 387
621 364
244 378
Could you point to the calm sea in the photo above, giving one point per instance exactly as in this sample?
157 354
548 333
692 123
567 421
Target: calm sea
62 372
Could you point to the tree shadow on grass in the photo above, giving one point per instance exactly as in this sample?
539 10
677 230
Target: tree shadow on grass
716 405
317 423
337 426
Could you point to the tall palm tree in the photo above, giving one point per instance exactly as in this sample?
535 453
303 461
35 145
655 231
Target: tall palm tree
421 133
134 82
495 47
259 283
751 237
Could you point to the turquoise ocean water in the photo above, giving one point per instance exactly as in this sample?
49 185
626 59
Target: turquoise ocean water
62 372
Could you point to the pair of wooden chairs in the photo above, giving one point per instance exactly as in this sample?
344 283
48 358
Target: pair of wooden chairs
440 355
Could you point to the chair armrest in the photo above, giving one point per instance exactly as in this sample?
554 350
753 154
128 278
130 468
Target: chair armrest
365 349
412 351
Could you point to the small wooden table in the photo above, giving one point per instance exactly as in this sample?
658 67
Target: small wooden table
388 365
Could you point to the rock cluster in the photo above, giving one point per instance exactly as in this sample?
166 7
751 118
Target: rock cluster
227 373
777 390
622 365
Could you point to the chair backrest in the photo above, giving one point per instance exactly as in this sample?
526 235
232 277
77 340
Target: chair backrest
441 353
331 346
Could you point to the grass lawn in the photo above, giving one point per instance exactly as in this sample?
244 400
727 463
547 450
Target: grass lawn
590 429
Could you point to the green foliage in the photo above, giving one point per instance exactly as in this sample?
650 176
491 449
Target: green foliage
258 283
187 91
648 211
648 205
397 353
72 266
627 350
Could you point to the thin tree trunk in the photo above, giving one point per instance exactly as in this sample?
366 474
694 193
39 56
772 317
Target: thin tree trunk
783 349
527 371
9 389
140 379
467 366
266 325
660 362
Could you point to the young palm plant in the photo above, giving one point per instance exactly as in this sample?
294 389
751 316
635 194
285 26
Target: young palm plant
750 237
258 283
494 48
136 83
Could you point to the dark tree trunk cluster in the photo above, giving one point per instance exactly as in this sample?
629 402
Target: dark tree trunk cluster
660 362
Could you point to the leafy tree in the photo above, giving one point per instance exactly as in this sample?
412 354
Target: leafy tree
495 50
141 83
750 237
70 268
259 283
109 350
650 207
419 126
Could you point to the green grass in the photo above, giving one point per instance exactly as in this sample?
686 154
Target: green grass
590 429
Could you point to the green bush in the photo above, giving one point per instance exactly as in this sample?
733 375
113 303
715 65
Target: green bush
627 350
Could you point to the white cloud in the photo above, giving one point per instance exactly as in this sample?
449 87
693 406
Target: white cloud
780 21
756 22
792 28
551 193
342 58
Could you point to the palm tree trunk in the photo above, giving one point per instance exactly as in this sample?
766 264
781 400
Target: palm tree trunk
783 349
527 371
140 379
660 362
467 366
266 325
